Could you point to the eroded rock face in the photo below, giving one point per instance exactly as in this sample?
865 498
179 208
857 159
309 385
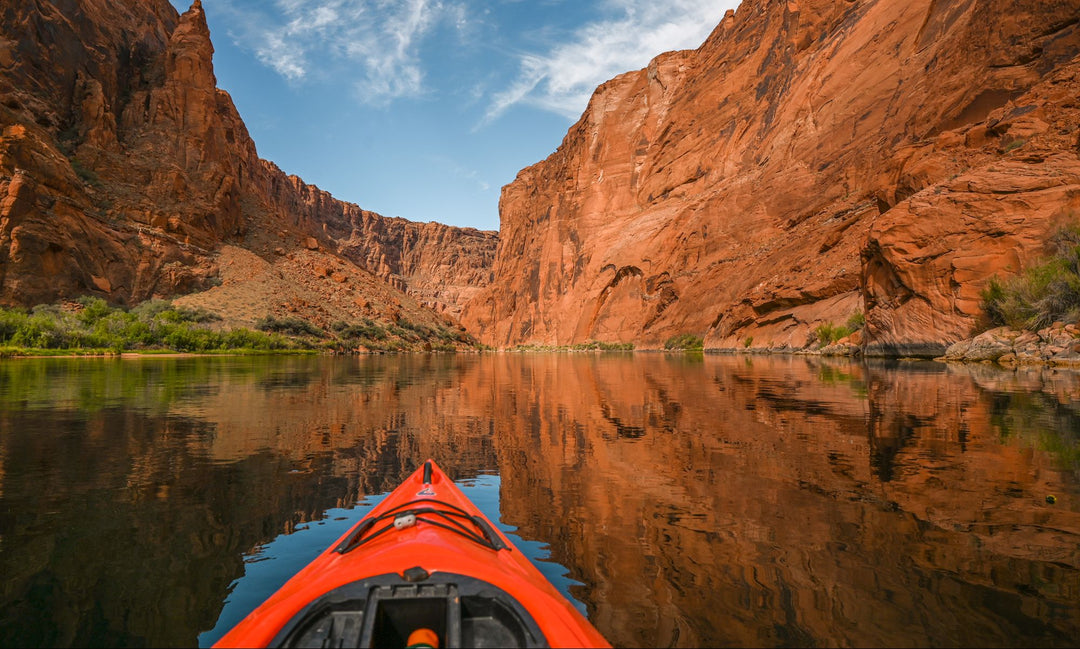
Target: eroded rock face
79 93
443 267
123 169
927 259
812 159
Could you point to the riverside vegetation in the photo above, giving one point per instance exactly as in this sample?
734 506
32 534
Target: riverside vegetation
90 326
830 334
1032 318
1045 294
685 342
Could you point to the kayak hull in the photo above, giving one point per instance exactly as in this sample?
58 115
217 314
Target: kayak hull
464 580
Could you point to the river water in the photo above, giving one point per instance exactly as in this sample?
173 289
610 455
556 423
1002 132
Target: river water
680 500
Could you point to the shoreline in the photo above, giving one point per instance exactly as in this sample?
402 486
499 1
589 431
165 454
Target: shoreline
128 355
1057 346
74 353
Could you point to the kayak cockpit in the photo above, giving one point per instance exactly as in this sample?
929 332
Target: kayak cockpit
425 567
388 610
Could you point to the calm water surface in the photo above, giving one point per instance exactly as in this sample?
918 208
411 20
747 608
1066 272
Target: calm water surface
679 500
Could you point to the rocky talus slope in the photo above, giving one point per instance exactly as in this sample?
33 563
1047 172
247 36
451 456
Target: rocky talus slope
126 173
811 160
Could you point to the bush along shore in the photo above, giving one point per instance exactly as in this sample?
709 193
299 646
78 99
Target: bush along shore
1033 317
89 326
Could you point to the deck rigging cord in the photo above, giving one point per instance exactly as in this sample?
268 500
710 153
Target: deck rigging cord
451 518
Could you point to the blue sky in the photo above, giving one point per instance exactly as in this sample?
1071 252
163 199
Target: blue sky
426 108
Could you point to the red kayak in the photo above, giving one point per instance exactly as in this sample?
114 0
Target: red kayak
424 569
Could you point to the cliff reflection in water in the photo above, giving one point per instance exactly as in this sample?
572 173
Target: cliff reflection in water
786 501
699 500
130 491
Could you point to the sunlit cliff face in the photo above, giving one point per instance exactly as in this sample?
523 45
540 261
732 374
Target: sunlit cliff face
811 159
124 169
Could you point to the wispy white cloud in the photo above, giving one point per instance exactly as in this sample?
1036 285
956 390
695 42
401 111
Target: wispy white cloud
562 78
448 165
376 42
375 46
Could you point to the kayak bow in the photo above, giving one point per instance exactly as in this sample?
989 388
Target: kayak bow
425 568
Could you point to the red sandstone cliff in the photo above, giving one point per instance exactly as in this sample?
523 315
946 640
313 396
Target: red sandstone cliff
123 169
442 266
812 159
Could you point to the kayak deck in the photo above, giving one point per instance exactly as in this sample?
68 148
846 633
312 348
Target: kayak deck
424 561
384 611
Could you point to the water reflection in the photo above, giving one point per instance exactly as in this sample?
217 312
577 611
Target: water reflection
718 500
785 501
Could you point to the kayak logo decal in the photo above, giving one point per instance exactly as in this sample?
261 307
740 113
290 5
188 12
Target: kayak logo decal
426 491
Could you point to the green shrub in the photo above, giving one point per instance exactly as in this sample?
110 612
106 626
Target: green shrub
365 329
151 308
1043 294
827 333
94 309
596 345
40 331
11 321
685 341
158 324
448 335
243 338
408 324
188 314
293 326
185 339
409 335
124 326
856 322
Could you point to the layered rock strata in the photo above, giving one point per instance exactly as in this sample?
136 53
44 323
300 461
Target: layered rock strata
812 159
123 169
441 266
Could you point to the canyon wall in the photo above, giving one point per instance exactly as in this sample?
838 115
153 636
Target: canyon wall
441 265
123 168
813 159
